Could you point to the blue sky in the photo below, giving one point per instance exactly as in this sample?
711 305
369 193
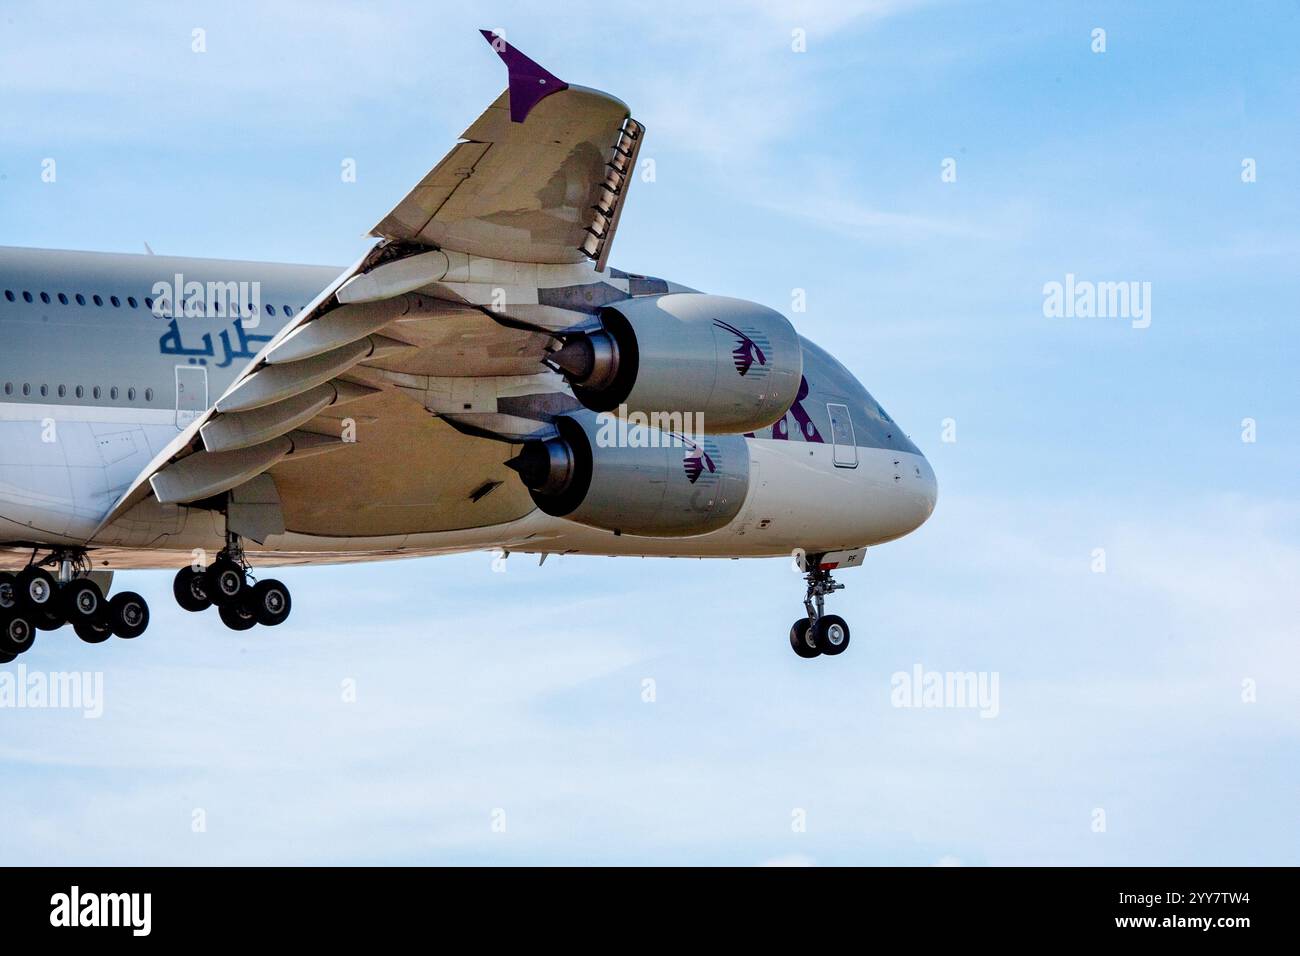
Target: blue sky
775 170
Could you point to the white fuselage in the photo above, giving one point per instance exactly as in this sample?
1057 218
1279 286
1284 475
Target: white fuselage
87 402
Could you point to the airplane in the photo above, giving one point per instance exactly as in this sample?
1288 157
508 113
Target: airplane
481 379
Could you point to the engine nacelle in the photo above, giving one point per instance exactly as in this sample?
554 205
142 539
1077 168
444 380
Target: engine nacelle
732 365
635 479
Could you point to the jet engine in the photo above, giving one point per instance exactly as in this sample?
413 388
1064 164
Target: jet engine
733 363
602 472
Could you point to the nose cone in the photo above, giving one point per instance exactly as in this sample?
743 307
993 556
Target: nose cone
929 490
919 491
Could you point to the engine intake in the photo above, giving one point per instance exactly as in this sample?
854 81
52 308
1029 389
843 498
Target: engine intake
733 363
635 479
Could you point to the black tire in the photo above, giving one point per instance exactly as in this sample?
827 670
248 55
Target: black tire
94 632
190 588
48 618
8 594
831 634
81 600
226 582
800 641
271 602
35 589
6 657
237 617
17 634
128 615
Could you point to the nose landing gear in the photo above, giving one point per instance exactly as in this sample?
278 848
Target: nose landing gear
225 583
819 633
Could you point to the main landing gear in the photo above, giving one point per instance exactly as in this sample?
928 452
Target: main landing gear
36 600
819 633
241 603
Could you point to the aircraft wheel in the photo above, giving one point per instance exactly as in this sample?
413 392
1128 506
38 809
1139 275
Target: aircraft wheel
82 600
49 619
8 594
190 588
238 616
831 634
35 589
271 602
801 640
95 631
16 633
128 615
225 582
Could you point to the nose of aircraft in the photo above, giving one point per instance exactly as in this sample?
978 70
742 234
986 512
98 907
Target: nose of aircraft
929 491
921 491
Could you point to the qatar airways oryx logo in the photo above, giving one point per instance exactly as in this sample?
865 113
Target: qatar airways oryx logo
750 354
75 908
181 299
1084 299
683 430
700 460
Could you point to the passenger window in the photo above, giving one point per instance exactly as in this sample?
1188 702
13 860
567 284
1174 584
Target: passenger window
845 448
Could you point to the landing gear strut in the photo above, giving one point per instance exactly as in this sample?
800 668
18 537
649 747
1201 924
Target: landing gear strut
819 632
36 599
227 584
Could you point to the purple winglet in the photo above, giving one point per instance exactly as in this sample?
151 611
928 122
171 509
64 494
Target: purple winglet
529 83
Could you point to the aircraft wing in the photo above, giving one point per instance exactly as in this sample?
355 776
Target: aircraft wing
401 350
530 180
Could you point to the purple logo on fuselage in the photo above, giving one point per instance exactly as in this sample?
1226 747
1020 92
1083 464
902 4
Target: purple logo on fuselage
781 430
